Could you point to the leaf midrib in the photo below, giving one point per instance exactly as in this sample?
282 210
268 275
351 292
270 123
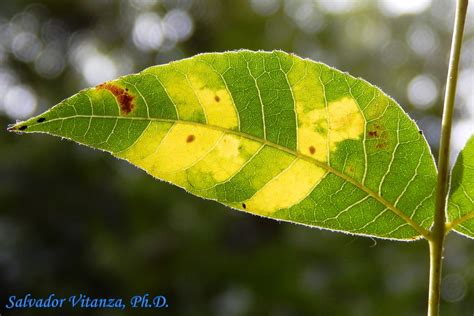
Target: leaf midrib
425 233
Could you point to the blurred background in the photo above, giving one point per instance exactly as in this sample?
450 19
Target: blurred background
74 220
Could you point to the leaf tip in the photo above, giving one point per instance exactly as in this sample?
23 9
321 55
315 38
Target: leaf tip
17 127
25 126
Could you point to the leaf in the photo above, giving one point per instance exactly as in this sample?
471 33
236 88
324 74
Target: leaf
267 133
461 192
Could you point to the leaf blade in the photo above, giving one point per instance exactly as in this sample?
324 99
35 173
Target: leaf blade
461 193
213 123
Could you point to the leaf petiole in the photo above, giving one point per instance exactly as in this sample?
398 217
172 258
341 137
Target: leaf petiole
438 231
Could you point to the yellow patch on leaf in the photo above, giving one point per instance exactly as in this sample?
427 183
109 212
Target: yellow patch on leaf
224 161
180 92
146 143
287 189
170 151
320 130
182 146
218 106
345 121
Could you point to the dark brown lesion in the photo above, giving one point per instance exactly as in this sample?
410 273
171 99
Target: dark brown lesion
244 206
217 98
312 150
380 135
41 120
123 97
373 133
190 138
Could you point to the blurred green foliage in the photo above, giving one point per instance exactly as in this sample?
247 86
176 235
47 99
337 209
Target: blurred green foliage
73 220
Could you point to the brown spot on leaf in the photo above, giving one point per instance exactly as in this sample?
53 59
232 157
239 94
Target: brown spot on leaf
421 133
312 150
22 128
217 98
190 138
40 120
381 135
244 206
124 99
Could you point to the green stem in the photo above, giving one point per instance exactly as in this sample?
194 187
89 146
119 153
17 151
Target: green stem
438 232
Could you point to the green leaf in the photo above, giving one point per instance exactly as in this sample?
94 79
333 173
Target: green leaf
461 192
267 133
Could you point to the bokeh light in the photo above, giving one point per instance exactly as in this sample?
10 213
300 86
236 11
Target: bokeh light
265 7
453 288
466 90
97 68
177 25
422 91
338 6
26 46
20 102
50 62
234 301
94 65
305 15
422 39
400 7
147 32
7 80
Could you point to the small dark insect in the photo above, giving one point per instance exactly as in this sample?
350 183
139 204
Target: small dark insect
41 119
22 128
421 133
244 206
